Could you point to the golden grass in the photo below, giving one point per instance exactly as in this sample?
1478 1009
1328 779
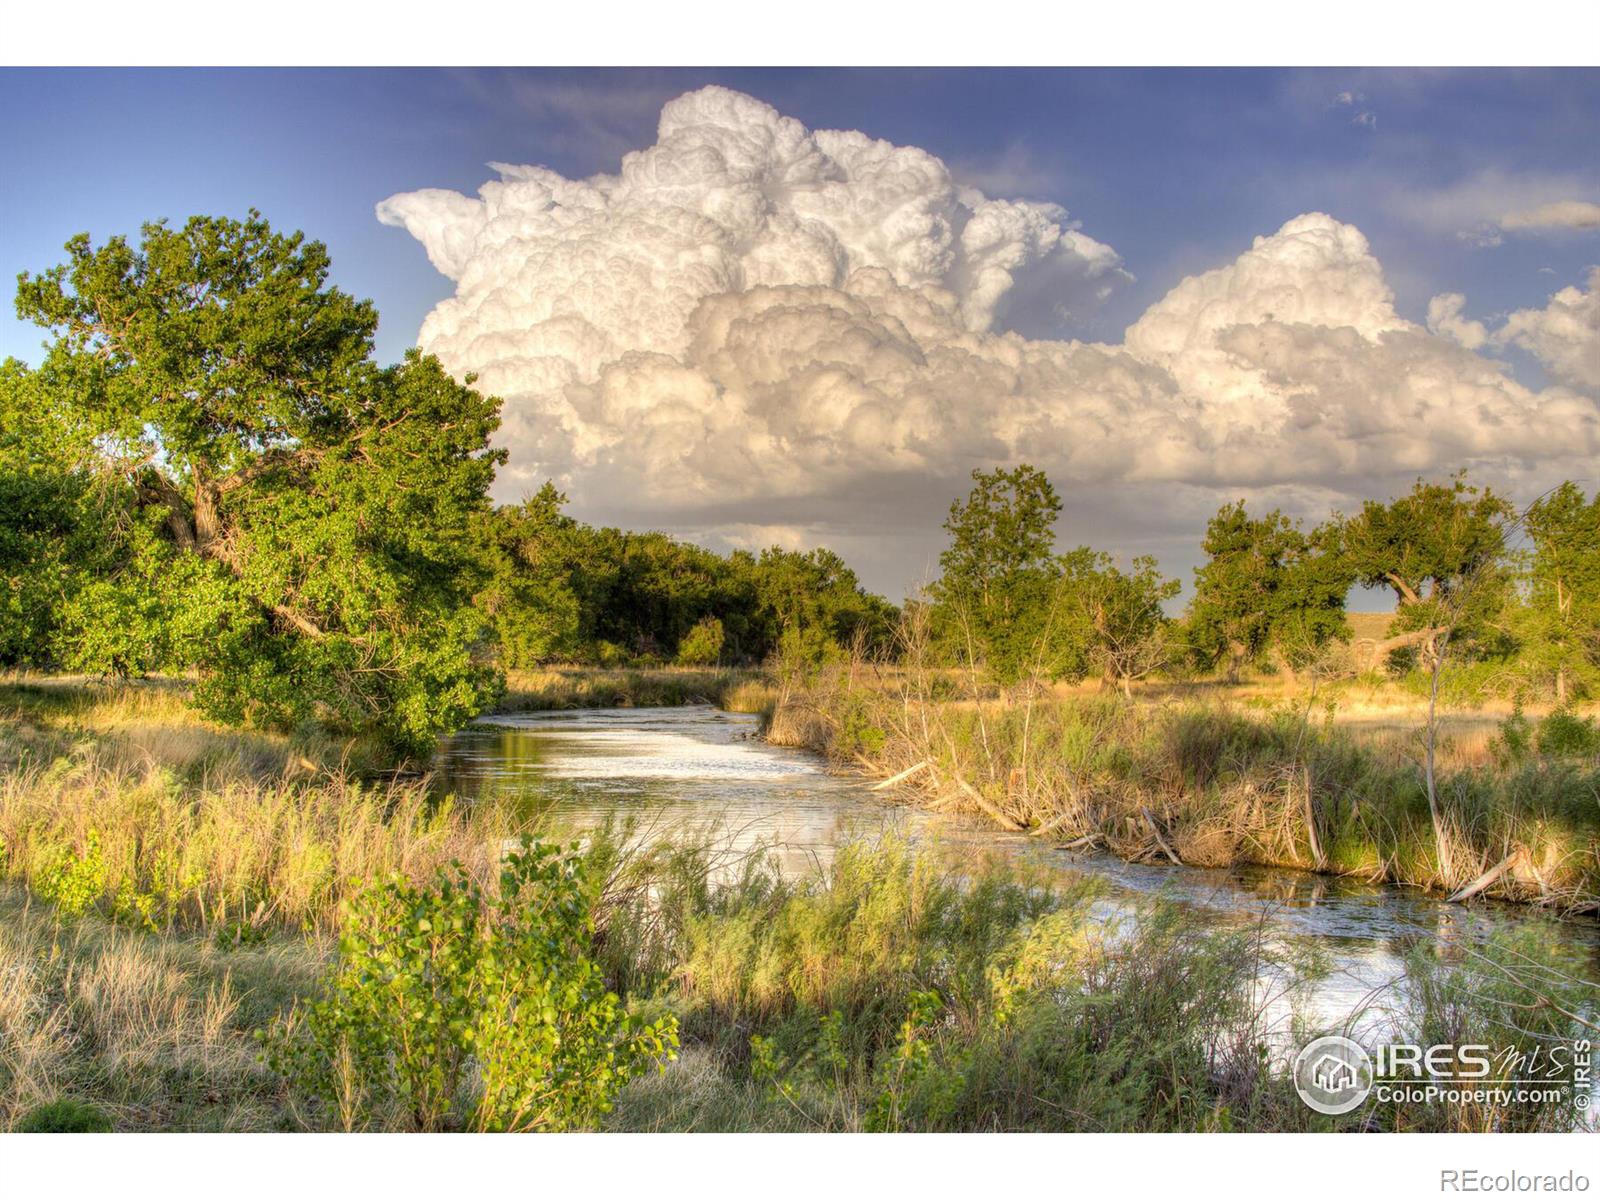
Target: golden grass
155 1032
588 687
1193 776
186 823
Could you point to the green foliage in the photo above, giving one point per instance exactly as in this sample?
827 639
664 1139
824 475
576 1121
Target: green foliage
74 881
1117 615
1441 549
1559 625
63 525
993 602
1453 994
453 1009
64 1116
1564 734
561 590
300 521
702 645
531 594
1267 589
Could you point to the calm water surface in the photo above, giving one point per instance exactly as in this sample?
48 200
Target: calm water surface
697 768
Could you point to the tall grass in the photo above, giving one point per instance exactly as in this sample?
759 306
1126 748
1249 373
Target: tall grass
583 687
181 824
156 1033
1214 784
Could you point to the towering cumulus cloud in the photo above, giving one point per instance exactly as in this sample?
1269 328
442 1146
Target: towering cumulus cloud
754 324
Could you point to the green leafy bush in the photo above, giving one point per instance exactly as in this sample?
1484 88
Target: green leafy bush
702 645
1564 734
453 1009
74 881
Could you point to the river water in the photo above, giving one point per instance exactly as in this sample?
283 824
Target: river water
697 769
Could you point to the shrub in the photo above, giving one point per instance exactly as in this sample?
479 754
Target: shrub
64 1116
74 881
452 1009
1564 734
702 645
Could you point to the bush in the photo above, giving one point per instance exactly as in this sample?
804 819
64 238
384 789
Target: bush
64 1116
450 1009
1564 734
702 645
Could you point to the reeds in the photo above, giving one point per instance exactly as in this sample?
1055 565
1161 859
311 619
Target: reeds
1212 783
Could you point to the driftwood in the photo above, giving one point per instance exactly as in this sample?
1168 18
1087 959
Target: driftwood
902 777
1487 878
1160 841
1051 826
1088 841
1000 817
1311 820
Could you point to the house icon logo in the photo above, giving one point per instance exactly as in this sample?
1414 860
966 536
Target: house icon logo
1333 1075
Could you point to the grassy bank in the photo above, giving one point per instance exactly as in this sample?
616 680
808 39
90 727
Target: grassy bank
122 800
1213 782
643 687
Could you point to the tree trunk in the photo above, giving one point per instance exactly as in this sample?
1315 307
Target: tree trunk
1441 847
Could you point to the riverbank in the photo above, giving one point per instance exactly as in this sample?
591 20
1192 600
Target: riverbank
643 687
172 890
1514 812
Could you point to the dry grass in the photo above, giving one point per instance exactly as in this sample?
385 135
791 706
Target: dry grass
101 805
1213 782
155 1032
588 687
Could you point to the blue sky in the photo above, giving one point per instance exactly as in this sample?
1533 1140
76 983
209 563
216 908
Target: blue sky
1177 169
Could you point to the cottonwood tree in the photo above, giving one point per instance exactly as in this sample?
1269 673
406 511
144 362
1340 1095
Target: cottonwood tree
531 594
316 510
1561 618
1441 549
1000 574
1267 591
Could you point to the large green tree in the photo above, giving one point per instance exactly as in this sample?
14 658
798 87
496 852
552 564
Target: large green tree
1268 590
316 510
1560 623
1441 549
993 601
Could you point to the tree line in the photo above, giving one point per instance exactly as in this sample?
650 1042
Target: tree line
208 472
1466 569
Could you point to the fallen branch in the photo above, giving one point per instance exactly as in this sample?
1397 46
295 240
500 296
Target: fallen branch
901 777
1000 817
1160 841
1051 826
1487 878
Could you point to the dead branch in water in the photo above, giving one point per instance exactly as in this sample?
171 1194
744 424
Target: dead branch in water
1487 878
902 776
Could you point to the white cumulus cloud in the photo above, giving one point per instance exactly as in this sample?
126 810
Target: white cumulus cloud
1445 319
755 325
1564 335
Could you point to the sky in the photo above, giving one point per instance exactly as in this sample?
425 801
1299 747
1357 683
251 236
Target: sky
1168 288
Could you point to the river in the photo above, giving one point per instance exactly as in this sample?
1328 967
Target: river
700 769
